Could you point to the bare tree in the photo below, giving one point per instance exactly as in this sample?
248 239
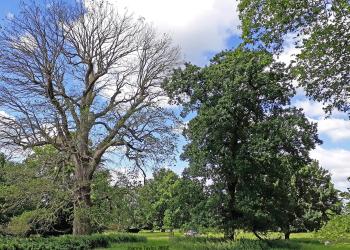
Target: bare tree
87 80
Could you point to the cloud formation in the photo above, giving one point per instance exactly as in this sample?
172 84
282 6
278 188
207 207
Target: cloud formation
337 162
337 129
198 27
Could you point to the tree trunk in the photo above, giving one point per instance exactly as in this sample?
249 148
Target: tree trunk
286 235
232 214
82 205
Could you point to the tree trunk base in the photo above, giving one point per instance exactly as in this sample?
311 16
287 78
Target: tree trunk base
286 235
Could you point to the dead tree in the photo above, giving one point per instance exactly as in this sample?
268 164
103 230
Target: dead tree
87 80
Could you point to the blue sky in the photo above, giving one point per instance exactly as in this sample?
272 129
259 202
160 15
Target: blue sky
201 28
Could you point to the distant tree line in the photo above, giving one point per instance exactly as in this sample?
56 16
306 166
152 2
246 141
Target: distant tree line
35 199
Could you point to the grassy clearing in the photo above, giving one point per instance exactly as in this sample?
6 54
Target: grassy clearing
159 241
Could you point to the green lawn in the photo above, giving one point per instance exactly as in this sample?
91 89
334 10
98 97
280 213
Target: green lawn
162 241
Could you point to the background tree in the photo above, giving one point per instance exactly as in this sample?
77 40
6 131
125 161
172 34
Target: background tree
156 196
85 79
244 137
346 200
36 194
304 201
187 195
320 28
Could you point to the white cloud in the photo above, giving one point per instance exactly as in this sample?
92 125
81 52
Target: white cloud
336 129
311 109
337 162
289 50
197 27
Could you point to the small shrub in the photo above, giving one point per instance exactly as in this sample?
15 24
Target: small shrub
20 225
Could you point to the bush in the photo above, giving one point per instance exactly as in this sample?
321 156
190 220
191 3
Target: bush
337 229
20 225
67 242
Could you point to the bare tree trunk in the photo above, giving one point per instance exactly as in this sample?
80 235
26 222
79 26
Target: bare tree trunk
82 204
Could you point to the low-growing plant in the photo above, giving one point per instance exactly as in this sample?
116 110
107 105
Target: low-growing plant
67 242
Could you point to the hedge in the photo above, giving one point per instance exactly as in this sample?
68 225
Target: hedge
66 242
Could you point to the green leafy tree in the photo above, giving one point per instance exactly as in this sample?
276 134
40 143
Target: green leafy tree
36 193
186 196
320 29
157 195
170 201
306 201
244 137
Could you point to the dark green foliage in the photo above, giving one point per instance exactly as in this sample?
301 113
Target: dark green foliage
305 202
245 138
67 242
36 197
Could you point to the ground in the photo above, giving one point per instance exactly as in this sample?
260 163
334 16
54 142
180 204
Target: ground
162 241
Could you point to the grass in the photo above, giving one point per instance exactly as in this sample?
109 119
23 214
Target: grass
162 241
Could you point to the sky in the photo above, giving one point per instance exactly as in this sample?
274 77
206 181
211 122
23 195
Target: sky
202 28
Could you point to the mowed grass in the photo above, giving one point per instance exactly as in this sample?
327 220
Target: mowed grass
162 241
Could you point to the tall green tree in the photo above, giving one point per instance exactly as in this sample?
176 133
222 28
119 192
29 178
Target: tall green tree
244 137
320 28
